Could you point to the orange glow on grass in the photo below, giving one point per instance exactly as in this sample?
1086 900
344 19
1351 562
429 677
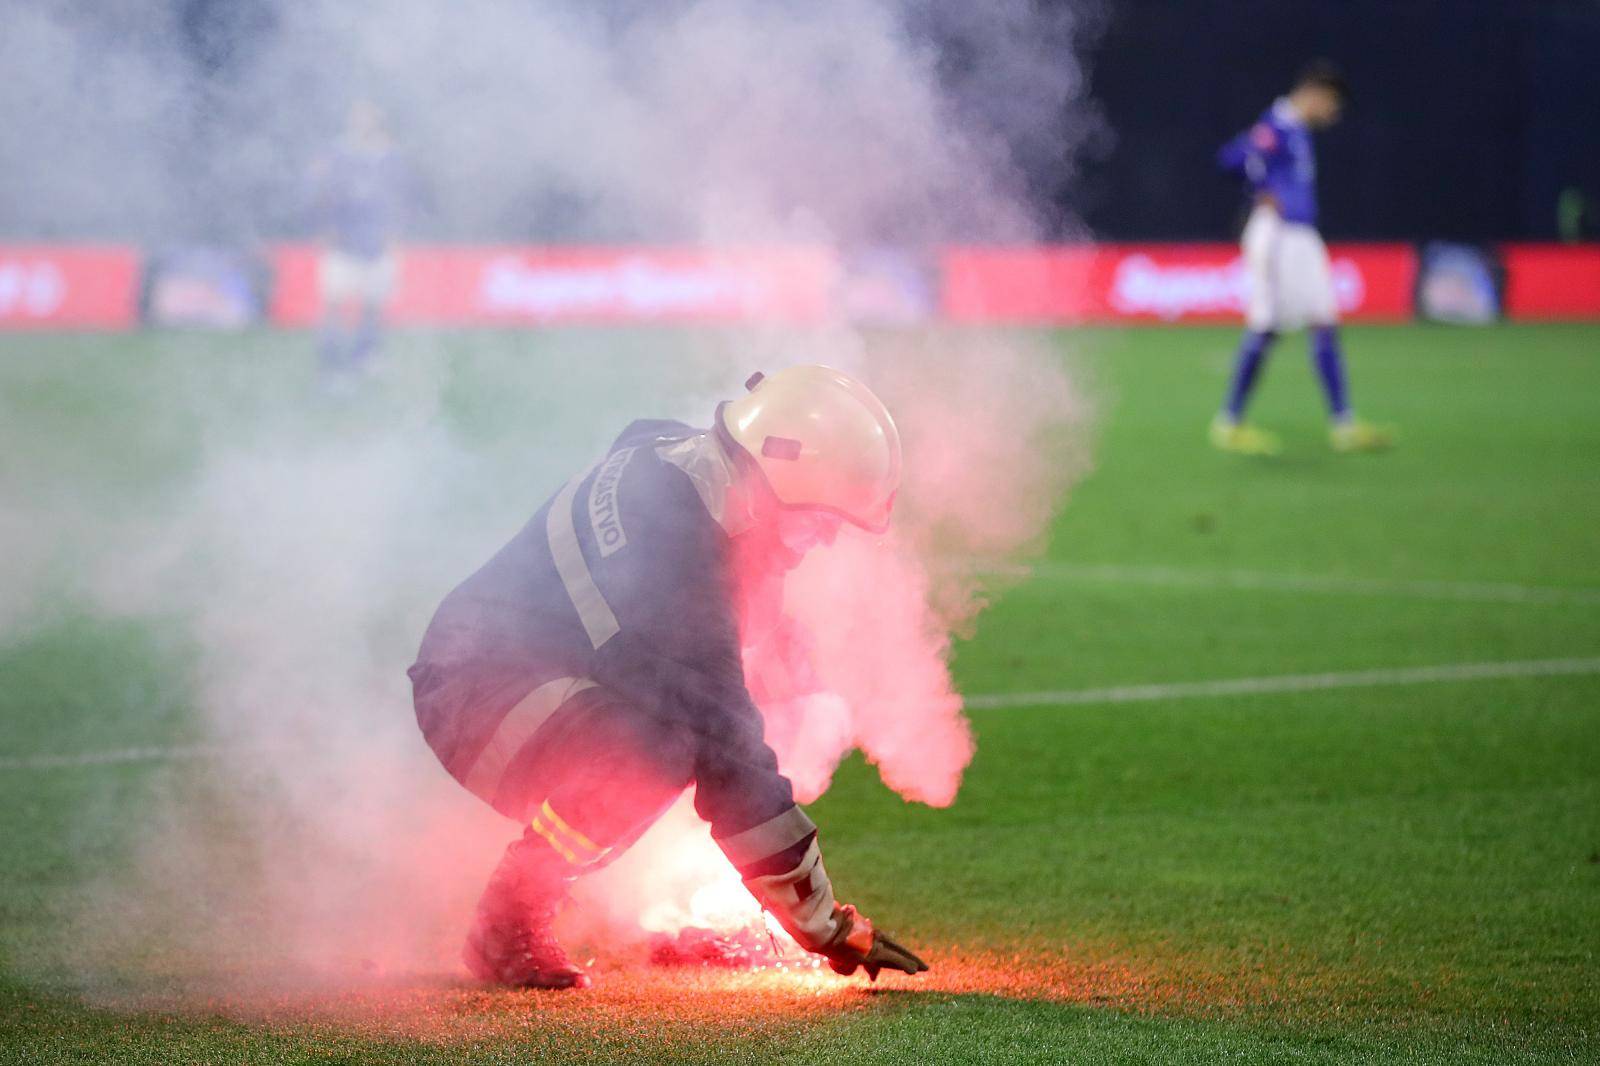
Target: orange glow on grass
652 1004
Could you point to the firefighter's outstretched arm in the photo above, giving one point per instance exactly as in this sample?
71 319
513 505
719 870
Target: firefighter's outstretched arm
781 864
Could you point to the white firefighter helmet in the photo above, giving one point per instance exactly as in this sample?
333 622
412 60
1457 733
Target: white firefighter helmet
823 441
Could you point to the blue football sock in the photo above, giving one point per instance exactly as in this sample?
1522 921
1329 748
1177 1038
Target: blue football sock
1252 352
366 337
1330 368
331 348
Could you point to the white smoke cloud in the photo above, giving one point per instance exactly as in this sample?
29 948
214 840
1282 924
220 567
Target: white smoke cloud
306 560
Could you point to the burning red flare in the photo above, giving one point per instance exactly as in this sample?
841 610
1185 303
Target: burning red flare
678 892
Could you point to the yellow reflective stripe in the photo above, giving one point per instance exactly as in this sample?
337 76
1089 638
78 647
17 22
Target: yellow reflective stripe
570 844
560 824
554 843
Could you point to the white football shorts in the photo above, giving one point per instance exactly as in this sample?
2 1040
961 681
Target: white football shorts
346 279
1290 279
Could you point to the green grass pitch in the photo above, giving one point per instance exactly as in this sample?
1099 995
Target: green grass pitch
1401 867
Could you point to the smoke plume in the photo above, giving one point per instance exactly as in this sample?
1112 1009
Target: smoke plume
303 552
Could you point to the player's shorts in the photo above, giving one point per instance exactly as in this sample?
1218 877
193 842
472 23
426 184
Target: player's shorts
1290 279
345 278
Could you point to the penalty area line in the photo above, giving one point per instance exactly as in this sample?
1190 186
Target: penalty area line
1262 581
1266 686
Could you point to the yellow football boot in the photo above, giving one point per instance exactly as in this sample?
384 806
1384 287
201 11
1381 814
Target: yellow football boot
1241 439
1358 436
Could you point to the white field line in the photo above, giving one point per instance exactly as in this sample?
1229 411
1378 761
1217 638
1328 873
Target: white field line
1263 686
1251 580
112 756
1239 686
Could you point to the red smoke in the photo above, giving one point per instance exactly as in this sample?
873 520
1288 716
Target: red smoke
852 651
881 682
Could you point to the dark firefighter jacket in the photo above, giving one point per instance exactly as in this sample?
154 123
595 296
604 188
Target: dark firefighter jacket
623 580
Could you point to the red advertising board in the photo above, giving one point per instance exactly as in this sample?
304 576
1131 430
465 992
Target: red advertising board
1152 283
96 287
1552 281
68 287
459 285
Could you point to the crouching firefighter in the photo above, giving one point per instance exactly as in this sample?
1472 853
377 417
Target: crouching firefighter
590 671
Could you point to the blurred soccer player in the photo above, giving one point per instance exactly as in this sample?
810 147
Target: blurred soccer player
361 195
1291 284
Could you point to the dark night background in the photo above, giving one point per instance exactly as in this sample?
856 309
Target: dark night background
1469 119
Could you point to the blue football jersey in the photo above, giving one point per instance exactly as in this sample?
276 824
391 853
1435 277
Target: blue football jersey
362 198
1275 158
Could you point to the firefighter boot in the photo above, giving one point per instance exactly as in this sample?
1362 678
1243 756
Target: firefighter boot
512 941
